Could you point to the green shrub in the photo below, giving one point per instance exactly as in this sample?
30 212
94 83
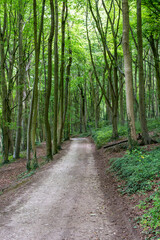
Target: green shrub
25 175
150 221
138 169
103 134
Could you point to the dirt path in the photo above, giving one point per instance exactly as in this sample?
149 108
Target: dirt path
65 202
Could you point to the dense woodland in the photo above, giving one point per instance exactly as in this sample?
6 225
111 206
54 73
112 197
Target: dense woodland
69 66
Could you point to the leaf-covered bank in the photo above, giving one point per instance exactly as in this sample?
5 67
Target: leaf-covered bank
137 174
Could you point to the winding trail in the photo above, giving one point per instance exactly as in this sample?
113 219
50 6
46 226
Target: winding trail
65 203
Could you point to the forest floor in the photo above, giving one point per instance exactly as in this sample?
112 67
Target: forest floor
70 198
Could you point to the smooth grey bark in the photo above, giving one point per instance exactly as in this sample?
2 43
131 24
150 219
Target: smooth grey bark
68 117
34 102
128 74
145 136
48 87
82 110
154 46
24 123
55 147
63 25
149 85
37 43
136 104
4 93
67 102
121 82
20 85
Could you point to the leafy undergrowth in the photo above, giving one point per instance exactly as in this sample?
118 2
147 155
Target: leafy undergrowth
150 221
11 159
104 134
25 174
140 172
138 168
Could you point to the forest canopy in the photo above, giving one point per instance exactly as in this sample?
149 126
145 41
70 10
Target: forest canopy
68 67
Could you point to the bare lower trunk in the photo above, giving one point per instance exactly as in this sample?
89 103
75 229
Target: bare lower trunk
55 80
143 120
48 87
68 71
114 125
20 89
4 95
128 73
29 134
37 43
63 24
154 47
121 101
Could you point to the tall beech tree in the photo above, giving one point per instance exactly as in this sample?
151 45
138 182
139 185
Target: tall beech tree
128 73
56 64
142 111
20 81
63 27
4 92
67 87
84 59
33 110
48 87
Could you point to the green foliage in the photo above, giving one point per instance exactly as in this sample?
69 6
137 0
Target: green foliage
25 175
138 168
85 134
153 125
150 221
103 134
11 159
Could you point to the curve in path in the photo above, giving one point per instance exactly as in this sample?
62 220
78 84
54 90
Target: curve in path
66 203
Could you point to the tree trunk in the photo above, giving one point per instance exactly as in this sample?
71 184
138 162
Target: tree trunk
4 94
48 87
67 132
115 98
20 85
136 105
63 24
121 99
149 85
37 43
68 72
81 115
154 47
55 80
34 102
142 107
24 126
128 74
